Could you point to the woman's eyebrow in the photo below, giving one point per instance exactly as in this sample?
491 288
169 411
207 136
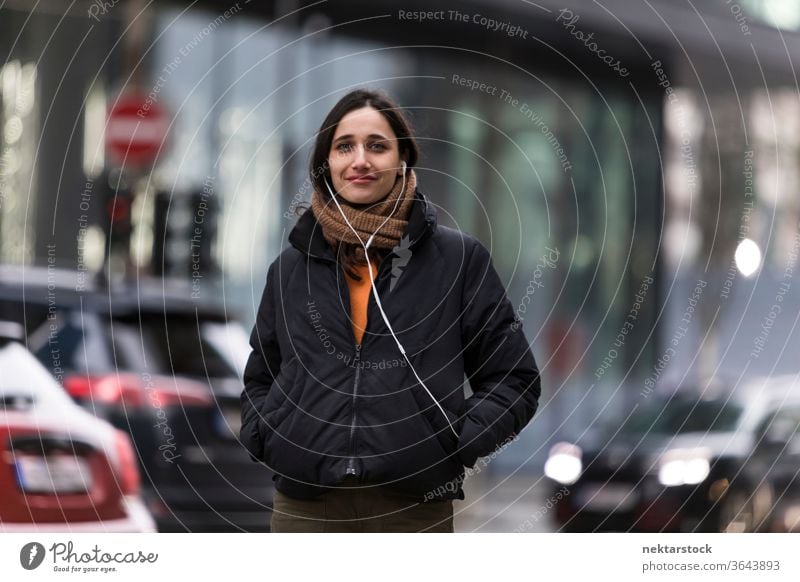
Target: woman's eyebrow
370 136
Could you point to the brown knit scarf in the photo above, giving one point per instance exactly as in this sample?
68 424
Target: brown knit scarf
367 219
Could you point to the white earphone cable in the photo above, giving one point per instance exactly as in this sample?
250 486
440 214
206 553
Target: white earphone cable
375 290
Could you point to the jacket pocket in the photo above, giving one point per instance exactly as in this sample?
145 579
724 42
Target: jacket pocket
428 363
280 401
436 422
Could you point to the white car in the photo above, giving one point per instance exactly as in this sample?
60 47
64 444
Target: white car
61 468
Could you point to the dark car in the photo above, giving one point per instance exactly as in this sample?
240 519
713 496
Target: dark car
61 468
164 366
687 462
774 506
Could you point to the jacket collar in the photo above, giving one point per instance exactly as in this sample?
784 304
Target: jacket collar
306 236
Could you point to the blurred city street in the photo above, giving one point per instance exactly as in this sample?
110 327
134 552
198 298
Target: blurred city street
609 187
505 504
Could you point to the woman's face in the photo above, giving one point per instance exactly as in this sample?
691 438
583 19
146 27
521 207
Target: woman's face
364 158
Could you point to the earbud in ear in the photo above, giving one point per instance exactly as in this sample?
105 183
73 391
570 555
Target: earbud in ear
403 163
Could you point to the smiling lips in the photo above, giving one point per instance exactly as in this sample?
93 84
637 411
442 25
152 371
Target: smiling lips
366 179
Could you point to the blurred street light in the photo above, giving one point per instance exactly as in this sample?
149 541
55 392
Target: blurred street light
748 257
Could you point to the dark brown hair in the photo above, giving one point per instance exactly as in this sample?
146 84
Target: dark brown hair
319 170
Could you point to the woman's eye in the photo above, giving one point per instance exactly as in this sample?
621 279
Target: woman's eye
377 147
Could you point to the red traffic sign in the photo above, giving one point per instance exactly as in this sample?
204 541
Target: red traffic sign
136 128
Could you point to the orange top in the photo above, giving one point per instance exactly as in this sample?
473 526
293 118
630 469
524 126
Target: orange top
359 298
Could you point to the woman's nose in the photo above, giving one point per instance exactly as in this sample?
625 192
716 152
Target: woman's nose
360 157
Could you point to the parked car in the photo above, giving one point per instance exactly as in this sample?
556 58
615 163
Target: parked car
159 363
61 468
687 462
775 462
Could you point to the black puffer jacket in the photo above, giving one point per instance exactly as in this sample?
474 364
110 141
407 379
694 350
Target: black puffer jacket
317 407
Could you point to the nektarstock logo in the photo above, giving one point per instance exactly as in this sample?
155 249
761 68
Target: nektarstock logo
31 555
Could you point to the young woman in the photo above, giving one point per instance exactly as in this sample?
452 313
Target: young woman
369 321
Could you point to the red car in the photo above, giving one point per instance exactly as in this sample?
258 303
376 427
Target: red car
61 468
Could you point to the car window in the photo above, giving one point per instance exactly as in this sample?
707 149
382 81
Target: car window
678 416
131 349
782 427
231 341
62 344
175 344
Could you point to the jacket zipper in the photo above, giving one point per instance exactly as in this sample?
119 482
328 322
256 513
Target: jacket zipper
351 468
351 463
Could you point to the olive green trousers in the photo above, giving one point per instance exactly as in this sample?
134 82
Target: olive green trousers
360 509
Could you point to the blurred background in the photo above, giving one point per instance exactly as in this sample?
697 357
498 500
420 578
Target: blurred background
632 166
